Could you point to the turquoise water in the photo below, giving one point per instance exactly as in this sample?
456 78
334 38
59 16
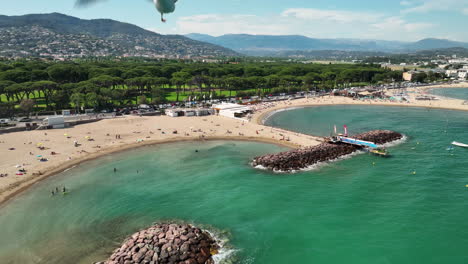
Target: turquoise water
350 211
457 93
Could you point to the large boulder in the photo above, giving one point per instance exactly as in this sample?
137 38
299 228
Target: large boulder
166 243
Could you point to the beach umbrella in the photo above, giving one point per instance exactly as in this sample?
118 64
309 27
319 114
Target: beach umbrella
39 144
39 156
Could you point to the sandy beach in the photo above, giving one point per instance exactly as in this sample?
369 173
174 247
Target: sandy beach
444 103
23 150
453 85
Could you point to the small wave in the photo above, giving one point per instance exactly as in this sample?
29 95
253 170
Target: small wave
226 253
319 165
394 143
69 168
260 167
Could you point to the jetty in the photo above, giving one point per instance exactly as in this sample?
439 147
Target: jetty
166 243
299 159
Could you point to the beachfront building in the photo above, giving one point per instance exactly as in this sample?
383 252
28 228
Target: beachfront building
457 73
175 112
54 122
232 110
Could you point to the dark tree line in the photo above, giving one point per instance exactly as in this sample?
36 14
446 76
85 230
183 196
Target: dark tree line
105 84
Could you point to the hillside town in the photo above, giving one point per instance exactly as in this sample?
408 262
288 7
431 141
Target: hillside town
37 41
453 68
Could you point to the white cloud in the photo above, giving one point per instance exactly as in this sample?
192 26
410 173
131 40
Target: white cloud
330 15
425 6
216 24
405 3
319 23
395 24
465 11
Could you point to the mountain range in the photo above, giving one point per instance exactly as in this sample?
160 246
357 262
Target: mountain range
58 35
267 45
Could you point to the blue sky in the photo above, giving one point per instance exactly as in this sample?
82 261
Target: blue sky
405 20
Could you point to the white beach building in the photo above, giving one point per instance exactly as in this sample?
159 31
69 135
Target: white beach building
175 112
54 122
232 110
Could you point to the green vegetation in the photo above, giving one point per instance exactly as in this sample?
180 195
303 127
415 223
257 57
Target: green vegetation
109 84
419 56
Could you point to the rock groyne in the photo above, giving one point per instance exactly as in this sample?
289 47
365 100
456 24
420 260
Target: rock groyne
303 158
166 243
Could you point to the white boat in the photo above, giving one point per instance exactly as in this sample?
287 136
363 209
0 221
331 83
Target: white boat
455 143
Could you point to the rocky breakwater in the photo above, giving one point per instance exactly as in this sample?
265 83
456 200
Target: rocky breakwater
303 158
166 243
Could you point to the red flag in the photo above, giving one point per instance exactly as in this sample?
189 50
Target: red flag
345 130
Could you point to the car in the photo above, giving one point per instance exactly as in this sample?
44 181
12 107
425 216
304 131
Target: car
25 119
4 121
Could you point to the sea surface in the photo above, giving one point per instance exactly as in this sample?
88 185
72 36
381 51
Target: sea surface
457 93
409 208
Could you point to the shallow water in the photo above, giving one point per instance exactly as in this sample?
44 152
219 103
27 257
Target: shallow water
457 93
346 212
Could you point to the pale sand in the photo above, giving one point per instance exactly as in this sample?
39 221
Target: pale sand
453 85
443 103
132 129
146 129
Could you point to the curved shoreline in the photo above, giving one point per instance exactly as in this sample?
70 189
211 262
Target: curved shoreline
263 116
430 91
11 192
257 122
